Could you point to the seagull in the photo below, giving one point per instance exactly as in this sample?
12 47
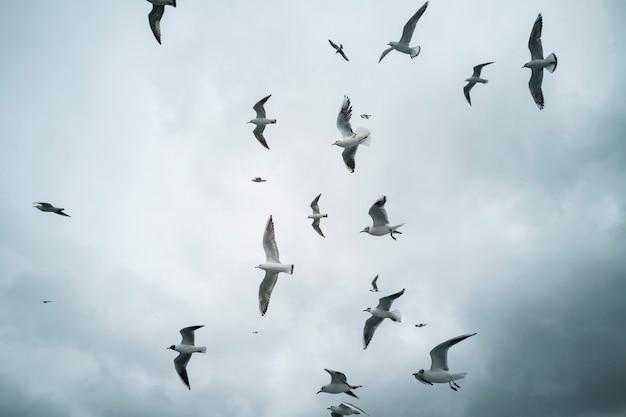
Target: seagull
316 216
475 78
350 140
185 349
380 313
381 223
339 49
154 17
260 121
272 267
338 384
438 372
258 179
46 301
365 116
374 286
407 33
420 325
537 62
345 409
255 332
50 208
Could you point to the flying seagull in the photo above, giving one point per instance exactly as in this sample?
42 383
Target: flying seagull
154 17
475 78
185 349
420 325
50 208
439 372
316 216
272 267
260 121
338 384
338 49
350 139
365 116
380 313
345 409
407 33
537 62
374 286
46 301
381 223
258 179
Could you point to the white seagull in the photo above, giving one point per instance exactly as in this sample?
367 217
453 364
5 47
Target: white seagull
258 179
154 17
439 372
407 33
381 223
50 208
185 349
475 78
380 313
374 286
338 49
316 216
350 139
537 62
272 266
345 409
260 121
338 384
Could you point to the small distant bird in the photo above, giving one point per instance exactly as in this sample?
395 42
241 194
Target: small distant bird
272 267
407 34
420 325
46 301
260 121
316 216
345 409
366 116
439 372
537 62
50 208
158 8
255 332
258 179
475 78
338 384
374 286
380 313
185 349
350 140
381 223
339 49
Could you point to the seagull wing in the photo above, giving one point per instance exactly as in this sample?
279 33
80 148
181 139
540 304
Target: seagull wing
269 242
384 54
534 84
265 290
258 134
354 408
534 42
409 28
385 303
370 327
154 17
374 283
333 44
180 363
439 354
343 118
348 157
188 335
378 213
337 377
314 205
478 69
343 55
466 90
316 226
258 107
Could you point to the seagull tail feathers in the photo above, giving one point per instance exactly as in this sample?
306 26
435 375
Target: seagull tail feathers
396 316
396 227
202 349
552 66
290 272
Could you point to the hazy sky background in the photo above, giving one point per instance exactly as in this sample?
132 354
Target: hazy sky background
515 218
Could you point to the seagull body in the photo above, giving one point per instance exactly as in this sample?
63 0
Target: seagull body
261 120
185 349
475 78
381 225
345 409
350 139
538 62
380 313
46 301
338 384
258 179
374 285
338 49
316 216
407 33
439 372
154 17
272 267
50 208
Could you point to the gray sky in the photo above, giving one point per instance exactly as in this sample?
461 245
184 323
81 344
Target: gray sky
515 218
